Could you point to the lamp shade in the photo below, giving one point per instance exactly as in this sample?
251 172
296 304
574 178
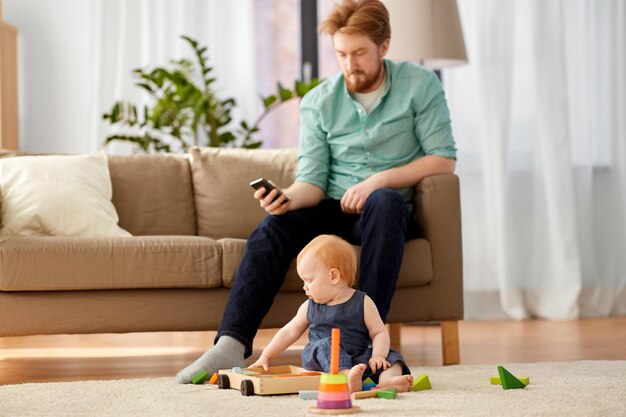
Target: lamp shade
427 32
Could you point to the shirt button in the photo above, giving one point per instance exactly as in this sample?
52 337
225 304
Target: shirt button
368 153
369 169
368 131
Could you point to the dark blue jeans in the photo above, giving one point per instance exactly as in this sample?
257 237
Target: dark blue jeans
381 230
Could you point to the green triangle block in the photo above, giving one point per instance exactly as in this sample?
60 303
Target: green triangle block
368 380
509 381
421 383
200 377
389 393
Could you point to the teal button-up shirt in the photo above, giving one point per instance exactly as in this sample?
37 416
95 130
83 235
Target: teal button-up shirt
342 145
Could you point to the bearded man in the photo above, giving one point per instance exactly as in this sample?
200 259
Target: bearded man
367 136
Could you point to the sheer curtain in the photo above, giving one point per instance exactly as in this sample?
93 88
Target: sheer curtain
146 33
76 58
539 119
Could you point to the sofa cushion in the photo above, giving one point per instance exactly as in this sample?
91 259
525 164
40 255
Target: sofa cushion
153 194
416 269
58 195
76 263
225 206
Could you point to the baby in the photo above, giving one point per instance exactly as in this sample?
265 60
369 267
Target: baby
327 266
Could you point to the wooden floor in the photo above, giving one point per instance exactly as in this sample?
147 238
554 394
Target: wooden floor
111 356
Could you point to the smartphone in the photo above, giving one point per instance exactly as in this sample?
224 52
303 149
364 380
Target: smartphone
263 183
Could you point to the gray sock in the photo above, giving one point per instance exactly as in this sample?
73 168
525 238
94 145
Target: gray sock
227 353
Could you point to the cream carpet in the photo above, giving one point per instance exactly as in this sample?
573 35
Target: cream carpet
585 388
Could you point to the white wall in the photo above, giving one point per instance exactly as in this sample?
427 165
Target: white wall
55 71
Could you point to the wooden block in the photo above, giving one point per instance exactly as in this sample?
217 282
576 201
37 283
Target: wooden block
334 405
509 381
307 395
334 378
388 394
367 387
200 377
364 394
331 411
333 387
495 380
213 379
421 383
246 372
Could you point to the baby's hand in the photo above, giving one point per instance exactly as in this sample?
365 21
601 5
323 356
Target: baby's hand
378 362
261 362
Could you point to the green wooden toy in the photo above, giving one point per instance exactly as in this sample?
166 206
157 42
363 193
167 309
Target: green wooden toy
200 377
509 381
389 393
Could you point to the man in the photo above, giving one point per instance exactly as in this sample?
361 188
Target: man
367 137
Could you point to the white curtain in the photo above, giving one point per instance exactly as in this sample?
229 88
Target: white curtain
76 58
145 33
538 115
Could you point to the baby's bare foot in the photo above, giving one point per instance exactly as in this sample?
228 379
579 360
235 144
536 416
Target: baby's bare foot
402 383
354 377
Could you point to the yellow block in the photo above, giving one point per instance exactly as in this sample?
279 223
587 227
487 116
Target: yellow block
495 380
421 383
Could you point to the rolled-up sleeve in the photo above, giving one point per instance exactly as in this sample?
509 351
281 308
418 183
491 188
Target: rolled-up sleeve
313 152
432 121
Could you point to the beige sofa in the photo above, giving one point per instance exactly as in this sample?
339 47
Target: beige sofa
189 217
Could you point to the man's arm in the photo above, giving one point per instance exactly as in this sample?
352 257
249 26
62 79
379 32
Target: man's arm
408 175
413 172
313 164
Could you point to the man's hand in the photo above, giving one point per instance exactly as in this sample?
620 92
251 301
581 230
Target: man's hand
261 362
354 198
405 176
275 208
378 362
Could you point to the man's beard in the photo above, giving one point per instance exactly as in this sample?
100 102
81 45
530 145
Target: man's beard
364 83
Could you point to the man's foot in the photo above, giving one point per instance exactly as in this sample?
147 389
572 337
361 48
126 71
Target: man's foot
227 353
354 377
402 383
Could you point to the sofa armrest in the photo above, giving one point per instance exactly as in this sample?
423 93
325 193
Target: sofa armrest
438 213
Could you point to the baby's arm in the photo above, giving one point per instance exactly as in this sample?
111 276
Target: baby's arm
378 334
284 338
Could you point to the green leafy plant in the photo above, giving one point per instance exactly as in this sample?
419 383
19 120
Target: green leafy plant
187 111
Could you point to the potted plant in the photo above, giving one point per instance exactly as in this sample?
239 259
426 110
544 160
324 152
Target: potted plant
186 110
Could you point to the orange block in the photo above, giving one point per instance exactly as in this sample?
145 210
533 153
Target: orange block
213 379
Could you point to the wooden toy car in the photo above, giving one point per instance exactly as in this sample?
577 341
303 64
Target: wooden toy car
286 379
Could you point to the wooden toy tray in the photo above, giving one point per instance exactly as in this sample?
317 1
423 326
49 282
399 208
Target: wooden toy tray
286 379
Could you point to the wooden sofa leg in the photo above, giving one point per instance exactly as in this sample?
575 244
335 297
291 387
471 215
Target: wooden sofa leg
450 342
394 330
